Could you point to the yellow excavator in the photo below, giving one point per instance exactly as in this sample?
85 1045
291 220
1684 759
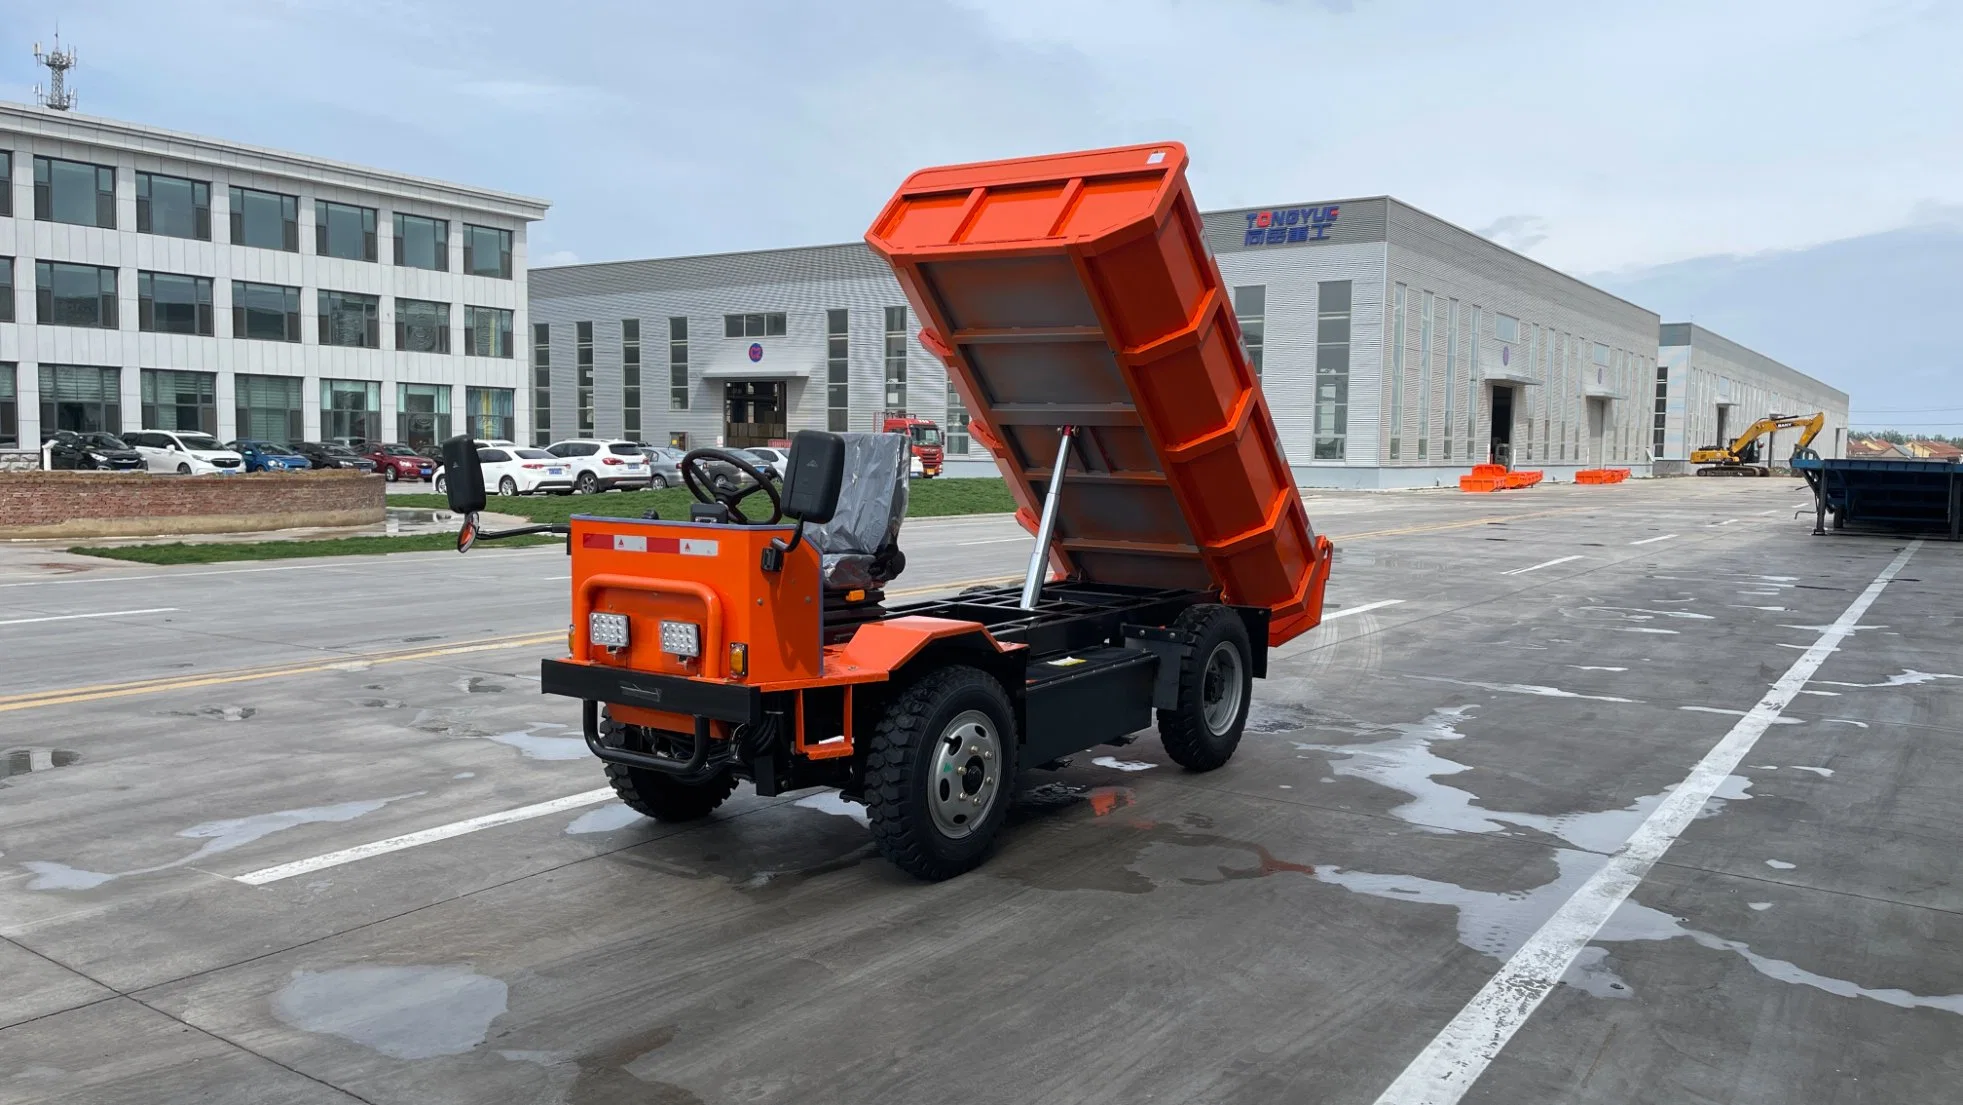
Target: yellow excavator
1741 457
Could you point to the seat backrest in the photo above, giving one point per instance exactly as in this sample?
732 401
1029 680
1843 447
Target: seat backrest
873 501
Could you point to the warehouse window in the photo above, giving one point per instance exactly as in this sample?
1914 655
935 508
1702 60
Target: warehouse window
179 400
74 192
75 295
838 371
1250 311
630 378
265 220
678 363
83 398
422 326
764 324
422 413
896 358
268 408
1472 384
487 414
344 230
173 206
1506 328
1544 340
1451 375
1332 369
541 384
1397 373
1427 331
168 304
583 367
1662 409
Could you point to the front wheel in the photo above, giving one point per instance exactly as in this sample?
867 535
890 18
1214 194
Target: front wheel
587 484
390 475
659 483
507 486
939 773
183 469
439 485
1216 683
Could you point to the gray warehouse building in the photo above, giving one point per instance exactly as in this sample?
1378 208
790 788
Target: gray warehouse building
1709 389
1397 350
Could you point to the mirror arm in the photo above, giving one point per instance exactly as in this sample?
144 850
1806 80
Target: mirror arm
564 528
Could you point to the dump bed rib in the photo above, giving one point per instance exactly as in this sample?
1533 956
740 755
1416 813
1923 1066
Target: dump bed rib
1076 290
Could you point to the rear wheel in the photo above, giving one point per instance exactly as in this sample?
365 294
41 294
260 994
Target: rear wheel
939 772
183 469
659 483
507 486
389 474
1216 683
658 794
439 485
587 484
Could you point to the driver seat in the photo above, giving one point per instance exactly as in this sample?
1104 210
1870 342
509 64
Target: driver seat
859 549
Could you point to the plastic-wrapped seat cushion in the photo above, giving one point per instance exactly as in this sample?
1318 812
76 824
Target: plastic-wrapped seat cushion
859 547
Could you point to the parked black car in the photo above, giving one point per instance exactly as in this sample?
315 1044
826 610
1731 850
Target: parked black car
92 450
331 455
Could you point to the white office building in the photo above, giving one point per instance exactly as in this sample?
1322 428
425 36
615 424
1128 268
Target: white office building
157 280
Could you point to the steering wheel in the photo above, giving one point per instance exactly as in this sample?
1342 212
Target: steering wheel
710 488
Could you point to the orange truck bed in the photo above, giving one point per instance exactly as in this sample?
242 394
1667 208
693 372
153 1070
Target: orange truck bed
1077 290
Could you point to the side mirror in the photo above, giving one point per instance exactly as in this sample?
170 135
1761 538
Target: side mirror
815 472
463 475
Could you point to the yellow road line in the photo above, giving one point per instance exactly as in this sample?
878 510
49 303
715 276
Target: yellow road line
351 662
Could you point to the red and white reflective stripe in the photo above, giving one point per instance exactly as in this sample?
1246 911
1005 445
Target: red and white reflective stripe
620 542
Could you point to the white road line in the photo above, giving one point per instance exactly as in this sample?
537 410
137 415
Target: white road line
1364 609
1726 522
103 614
1543 564
1448 1066
313 565
1653 540
426 836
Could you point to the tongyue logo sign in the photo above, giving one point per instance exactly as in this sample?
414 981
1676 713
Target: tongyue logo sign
1286 225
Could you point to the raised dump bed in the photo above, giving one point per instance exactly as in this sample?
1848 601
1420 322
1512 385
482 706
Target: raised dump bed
1076 290
1887 494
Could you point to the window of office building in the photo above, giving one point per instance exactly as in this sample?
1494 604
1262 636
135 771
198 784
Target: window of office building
1451 376
173 206
170 304
422 413
630 378
422 243
344 230
1332 369
75 295
174 400
486 252
678 363
1251 311
268 408
350 319
83 398
265 220
1397 340
765 324
350 410
6 183
838 372
488 414
583 374
487 332
896 358
1426 332
541 384
9 403
1472 383
74 192
265 312
422 326
6 286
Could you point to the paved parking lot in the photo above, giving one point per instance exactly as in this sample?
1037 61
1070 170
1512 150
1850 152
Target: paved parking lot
1522 708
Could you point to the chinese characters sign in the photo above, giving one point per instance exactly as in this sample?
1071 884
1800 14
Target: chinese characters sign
1288 225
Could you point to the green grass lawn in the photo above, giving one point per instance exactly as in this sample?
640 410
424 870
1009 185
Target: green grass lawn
937 498
180 552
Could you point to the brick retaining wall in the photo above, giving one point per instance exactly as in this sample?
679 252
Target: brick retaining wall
105 504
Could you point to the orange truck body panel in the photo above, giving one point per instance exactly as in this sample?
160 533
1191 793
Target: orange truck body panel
1077 290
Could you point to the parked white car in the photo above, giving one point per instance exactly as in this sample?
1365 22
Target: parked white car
602 465
516 471
184 452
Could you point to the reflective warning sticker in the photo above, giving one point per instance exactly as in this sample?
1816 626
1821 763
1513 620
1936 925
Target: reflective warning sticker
700 548
620 542
623 543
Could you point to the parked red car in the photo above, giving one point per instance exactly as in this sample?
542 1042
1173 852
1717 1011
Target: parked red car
399 462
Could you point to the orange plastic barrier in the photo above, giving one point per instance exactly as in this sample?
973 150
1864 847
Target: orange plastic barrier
1076 290
1601 475
1497 477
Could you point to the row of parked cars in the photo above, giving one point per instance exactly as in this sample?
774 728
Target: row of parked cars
187 453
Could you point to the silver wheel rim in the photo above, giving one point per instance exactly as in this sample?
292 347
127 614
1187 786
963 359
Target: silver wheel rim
1221 688
507 487
965 775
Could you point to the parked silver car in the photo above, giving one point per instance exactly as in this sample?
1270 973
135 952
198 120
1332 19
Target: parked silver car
664 464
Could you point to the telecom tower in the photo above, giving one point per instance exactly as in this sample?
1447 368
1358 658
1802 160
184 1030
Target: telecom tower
59 62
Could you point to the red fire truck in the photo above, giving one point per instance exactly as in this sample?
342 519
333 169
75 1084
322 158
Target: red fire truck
922 432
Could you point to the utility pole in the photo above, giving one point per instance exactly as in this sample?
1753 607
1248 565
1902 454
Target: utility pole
59 62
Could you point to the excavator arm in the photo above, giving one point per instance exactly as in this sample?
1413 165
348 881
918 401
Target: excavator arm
1732 456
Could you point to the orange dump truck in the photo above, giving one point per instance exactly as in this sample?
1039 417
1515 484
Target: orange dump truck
1085 325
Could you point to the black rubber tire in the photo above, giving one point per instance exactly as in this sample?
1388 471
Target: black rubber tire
183 469
659 795
587 484
898 763
1183 730
437 482
507 486
659 483
389 474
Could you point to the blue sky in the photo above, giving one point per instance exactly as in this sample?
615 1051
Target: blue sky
1702 156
